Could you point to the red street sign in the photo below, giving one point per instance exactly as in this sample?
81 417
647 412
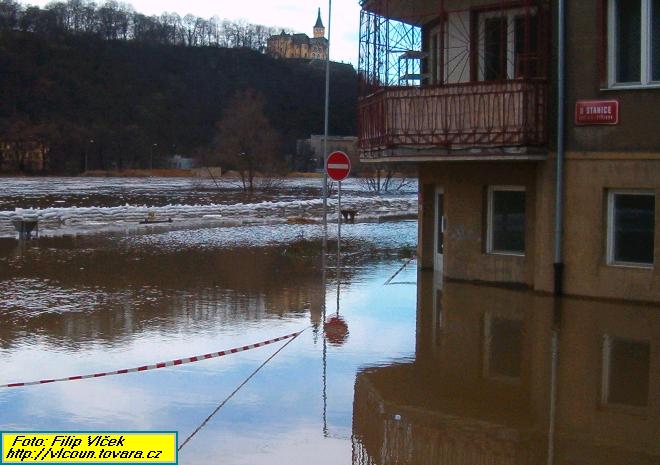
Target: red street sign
589 112
338 166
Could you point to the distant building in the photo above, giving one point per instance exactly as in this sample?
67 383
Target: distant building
346 144
181 162
23 156
300 45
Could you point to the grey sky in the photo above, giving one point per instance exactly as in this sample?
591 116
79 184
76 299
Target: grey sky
299 15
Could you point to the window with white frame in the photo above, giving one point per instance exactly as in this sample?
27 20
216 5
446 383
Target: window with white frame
435 39
634 42
631 227
506 220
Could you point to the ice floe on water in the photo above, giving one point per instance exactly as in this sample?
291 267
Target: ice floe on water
388 235
24 297
75 220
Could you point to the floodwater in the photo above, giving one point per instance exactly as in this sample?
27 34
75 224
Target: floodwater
91 303
425 372
70 206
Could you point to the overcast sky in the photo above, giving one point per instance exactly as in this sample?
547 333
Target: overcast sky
299 15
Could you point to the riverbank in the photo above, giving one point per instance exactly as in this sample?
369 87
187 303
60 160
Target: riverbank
162 173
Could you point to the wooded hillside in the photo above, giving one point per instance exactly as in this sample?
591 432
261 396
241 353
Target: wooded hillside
117 101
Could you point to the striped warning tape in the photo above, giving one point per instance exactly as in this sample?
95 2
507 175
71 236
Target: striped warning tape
180 361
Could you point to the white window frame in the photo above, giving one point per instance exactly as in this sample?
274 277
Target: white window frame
489 220
646 69
435 41
611 194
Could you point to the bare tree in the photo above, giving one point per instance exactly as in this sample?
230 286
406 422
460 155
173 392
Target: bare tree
246 140
384 178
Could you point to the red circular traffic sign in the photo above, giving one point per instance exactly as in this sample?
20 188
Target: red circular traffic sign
338 166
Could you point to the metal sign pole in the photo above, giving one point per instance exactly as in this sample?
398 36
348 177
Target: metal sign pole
338 243
326 129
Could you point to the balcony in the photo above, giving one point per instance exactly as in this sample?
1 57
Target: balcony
453 80
502 119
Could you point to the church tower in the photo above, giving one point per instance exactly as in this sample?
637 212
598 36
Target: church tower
319 28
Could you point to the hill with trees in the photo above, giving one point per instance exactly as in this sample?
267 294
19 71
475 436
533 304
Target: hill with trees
103 87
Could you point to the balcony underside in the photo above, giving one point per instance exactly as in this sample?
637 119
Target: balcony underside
403 154
502 120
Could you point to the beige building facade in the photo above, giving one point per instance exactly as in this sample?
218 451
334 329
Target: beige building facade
286 45
480 120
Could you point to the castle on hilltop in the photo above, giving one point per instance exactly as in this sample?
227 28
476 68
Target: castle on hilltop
300 45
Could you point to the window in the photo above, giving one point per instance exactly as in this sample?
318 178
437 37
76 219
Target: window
626 368
526 43
506 220
495 49
631 227
634 42
435 49
508 44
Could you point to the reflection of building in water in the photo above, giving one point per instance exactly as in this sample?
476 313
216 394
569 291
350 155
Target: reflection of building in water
479 388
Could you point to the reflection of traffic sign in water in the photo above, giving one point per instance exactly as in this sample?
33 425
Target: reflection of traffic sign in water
336 330
338 166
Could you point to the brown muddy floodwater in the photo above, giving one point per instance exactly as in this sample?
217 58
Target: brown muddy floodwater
429 372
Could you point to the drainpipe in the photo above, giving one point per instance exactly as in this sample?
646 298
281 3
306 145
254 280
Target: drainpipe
559 224
559 188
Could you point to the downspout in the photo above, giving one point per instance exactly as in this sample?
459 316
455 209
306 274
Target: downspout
559 188
559 225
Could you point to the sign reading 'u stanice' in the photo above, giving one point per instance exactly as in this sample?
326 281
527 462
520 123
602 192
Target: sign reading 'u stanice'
595 112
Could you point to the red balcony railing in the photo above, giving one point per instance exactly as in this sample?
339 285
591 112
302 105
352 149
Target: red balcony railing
481 115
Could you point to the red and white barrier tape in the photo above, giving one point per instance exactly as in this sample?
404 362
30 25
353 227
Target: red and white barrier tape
181 361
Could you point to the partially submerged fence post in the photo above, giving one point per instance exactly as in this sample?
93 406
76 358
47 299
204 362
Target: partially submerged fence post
25 227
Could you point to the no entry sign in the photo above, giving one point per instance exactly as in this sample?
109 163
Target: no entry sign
338 166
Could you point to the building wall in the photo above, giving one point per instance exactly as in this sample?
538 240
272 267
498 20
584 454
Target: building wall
599 158
588 178
25 156
346 144
286 47
586 71
300 46
465 187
